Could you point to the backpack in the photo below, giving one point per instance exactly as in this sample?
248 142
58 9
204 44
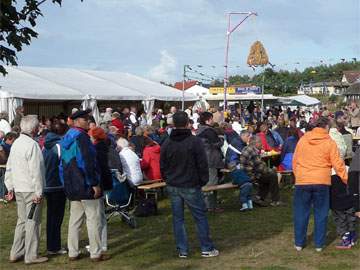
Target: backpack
147 207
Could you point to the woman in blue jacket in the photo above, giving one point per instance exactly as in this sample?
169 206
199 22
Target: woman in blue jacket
288 150
54 189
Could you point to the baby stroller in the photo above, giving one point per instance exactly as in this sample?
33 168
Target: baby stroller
118 200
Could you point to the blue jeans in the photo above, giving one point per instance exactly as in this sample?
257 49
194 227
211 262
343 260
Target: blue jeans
245 192
194 200
307 197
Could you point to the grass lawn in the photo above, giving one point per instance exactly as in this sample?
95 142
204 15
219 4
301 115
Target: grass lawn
261 239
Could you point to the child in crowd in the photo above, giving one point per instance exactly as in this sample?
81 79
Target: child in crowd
240 178
343 212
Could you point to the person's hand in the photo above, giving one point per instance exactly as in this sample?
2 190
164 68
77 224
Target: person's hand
357 214
97 192
37 199
10 195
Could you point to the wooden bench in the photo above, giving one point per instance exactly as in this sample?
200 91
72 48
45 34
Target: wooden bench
152 188
218 187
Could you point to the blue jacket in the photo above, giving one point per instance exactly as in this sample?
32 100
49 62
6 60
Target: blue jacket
52 161
278 140
287 152
79 171
232 153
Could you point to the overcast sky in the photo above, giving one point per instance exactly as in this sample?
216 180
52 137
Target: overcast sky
155 38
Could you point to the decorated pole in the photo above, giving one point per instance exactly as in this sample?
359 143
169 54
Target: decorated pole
228 33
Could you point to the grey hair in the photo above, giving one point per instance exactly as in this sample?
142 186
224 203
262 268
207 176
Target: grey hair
29 123
122 143
139 131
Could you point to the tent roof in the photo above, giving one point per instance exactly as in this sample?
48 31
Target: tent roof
73 84
197 90
301 100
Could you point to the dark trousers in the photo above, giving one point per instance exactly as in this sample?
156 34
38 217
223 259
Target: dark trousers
345 220
55 215
269 184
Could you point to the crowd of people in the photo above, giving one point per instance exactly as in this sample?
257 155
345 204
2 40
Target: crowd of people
75 158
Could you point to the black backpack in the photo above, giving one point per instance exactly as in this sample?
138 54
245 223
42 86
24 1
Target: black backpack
146 207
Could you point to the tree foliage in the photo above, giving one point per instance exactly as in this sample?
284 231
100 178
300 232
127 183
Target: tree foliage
17 22
284 82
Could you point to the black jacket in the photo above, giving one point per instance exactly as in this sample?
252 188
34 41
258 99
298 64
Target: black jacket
340 198
212 143
102 151
354 180
183 161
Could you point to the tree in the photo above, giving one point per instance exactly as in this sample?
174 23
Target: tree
17 24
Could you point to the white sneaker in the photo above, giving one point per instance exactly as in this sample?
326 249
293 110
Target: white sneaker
59 252
211 253
37 260
318 249
298 248
88 248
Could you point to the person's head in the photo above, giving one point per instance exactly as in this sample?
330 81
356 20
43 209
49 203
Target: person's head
125 111
245 136
180 119
255 141
173 109
340 118
74 110
122 143
2 134
148 130
236 119
139 131
109 110
115 115
19 109
4 115
29 125
323 122
292 122
59 128
97 134
10 137
264 127
159 111
206 118
92 124
293 132
353 105
133 109
81 119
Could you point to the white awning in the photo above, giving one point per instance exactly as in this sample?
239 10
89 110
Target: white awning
72 84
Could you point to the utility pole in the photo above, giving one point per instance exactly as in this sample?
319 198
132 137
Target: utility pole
183 89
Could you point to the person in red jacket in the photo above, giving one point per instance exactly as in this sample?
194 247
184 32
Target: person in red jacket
116 122
150 163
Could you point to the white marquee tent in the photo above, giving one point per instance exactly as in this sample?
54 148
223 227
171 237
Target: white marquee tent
88 86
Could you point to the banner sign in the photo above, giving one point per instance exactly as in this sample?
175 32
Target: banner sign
248 90
236 90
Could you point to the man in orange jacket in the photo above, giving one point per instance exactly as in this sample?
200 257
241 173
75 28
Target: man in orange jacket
315 155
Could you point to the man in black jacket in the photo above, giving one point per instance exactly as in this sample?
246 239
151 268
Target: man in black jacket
184 167
212 144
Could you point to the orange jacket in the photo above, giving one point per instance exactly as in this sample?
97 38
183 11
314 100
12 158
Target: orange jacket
315 154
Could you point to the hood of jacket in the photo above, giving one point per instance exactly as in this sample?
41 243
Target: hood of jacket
180 134
71 136
51 139
316 136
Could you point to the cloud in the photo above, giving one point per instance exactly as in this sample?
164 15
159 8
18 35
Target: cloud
165 70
